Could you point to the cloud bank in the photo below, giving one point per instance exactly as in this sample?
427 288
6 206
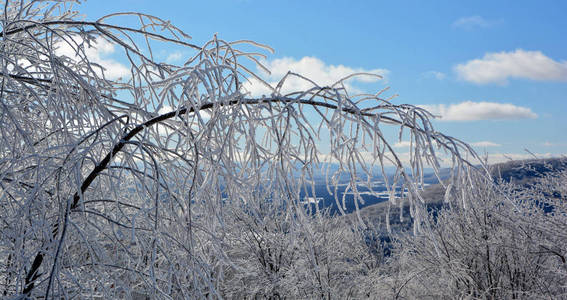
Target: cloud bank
312 68
402 144
485 144
474 111
500 67
98 53
494 158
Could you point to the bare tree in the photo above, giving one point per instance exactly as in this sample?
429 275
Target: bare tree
110 186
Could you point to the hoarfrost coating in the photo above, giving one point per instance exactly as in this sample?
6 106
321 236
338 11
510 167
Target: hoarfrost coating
114 186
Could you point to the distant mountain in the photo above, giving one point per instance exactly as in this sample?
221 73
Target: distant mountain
524 172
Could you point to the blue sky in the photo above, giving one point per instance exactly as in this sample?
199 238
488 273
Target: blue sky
496 71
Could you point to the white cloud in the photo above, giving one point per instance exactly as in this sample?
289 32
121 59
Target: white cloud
473 111
499 67
494 158
312 68
485 144
402 144
472 22
174 57
164 109
98 53
434 74
446 161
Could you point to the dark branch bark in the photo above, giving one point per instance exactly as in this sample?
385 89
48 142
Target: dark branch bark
97 24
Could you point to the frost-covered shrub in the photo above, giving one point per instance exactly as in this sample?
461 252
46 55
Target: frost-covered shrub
318 257
507 244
